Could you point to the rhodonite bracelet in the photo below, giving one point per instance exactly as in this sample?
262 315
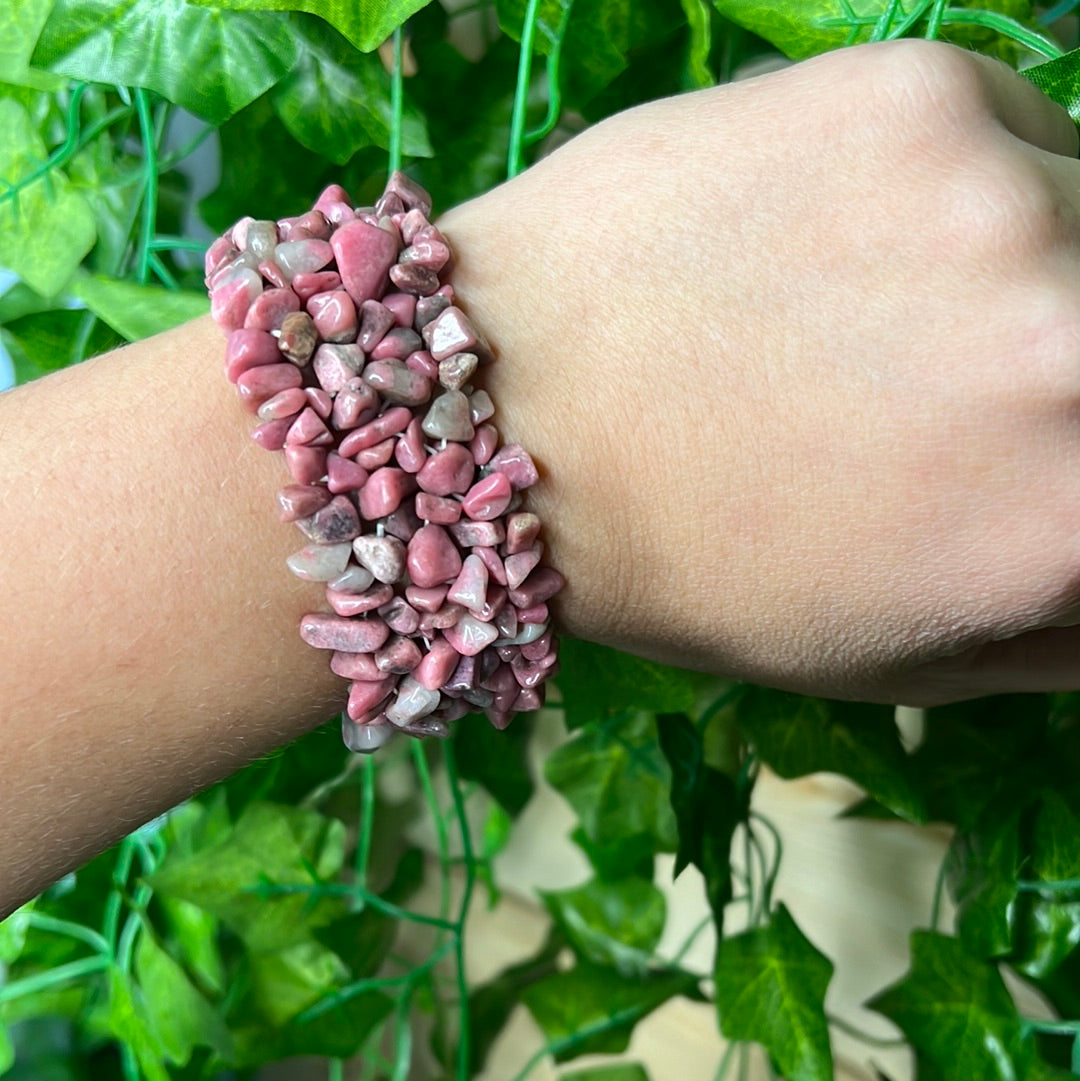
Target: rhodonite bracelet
345 339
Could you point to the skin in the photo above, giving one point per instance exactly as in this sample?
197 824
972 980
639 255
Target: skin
799 358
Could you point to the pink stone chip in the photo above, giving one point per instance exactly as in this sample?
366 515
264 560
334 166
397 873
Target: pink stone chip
384 491
258 385
438 664
515 461
320 401
411 194
232 296
286 403
493 563
380 454
365 695
448 471
470 586
391 422
272 434
433 558
302 256
365 253
397 383
301 501
399 656
383 556
438 509
450 332
488 498
520 566
469 635
539 587
355 666
334 315
470 534
269 308
375 321
400 616
348 604
319 562
522 529
335 364
484 443
309 430
414 278
307 465
335 523
345 635
429 599
403 306
353 405
343 474
409 453
305 286
248 348
535 615
396 344
421 362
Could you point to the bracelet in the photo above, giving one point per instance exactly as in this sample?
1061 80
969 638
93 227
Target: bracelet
346 341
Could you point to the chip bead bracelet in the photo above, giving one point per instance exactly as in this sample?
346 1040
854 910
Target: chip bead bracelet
346 341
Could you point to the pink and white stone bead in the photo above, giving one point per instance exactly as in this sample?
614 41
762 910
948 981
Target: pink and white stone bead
347 342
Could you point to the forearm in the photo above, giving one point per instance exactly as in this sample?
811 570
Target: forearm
152 642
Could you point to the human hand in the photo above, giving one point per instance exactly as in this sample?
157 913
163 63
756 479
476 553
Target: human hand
801 359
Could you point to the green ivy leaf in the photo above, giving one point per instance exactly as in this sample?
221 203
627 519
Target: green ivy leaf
1048 924
284 982
617 780
13 932
590 1009
623 1071
956 1012
269 845
1059 80
211 63
981 868
120 1018
361 939
180 1016
336 100
598 682
1055 848
138 311
283 178
497 760
797 735
708 809
616 924
7 1050
44 342
806 28
983 752
601 37
770 988
366 23
470 145
337 1033
20 26
47 228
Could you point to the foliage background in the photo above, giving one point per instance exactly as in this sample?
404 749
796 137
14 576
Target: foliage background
265 918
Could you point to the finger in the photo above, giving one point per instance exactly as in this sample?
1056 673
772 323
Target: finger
1026 111
1036 661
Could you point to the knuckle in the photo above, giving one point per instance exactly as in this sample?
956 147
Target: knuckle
933 87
